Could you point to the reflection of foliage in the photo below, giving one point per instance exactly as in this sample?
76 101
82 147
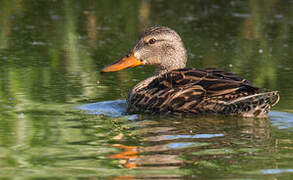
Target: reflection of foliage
60 67
51 53
54 54
63 46
259 45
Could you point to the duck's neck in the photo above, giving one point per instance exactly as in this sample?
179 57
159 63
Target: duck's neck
162 70
172 59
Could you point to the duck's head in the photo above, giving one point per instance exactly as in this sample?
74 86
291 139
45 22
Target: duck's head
159 46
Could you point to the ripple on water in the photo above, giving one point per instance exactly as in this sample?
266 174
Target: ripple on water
282 120
115 108
179 145
196 136
276 171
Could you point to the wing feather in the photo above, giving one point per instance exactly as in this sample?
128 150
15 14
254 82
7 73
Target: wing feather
188 90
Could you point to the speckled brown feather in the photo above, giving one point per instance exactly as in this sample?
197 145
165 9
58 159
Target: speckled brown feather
193 91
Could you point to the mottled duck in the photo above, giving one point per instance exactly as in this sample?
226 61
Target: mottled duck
175 89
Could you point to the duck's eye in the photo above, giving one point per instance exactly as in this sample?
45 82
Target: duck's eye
152 41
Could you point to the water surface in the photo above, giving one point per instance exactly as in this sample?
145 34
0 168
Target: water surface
60 118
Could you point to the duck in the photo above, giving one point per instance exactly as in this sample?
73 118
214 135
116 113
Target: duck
175 89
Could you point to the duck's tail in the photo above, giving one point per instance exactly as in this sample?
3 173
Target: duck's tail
257 105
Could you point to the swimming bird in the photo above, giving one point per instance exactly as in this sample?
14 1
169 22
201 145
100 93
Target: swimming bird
175 89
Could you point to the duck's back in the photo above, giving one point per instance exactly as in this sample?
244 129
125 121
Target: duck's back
193 91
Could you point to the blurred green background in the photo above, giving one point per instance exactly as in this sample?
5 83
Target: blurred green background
51 52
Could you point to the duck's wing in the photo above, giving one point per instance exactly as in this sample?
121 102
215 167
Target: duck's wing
212 82
187 90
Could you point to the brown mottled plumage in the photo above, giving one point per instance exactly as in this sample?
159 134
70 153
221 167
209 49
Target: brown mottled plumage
184 91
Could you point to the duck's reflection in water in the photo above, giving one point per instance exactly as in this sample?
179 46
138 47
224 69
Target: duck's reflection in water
172 143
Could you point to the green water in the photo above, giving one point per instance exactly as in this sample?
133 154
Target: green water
61 119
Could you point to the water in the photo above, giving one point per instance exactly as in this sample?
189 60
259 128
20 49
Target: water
61 119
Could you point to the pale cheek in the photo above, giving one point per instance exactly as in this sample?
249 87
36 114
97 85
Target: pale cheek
153 60
136 55
143 56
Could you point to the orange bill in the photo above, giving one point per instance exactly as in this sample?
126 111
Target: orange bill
125 62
